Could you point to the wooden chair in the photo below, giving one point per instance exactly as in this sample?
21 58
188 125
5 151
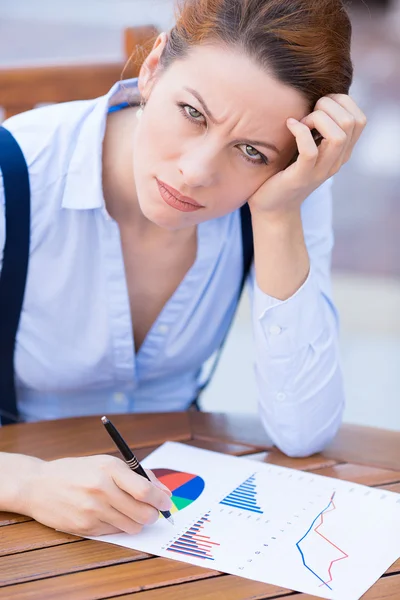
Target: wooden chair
23 88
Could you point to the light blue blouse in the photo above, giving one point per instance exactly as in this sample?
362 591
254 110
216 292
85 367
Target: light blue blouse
75 352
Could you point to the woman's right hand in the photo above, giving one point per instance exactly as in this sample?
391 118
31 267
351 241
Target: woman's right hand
93 495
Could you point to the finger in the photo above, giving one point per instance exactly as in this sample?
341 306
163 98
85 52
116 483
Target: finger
120 521
342 117
361 120
350 105
140 512
107 529
307 148
332 147
140 488
157 482
101 528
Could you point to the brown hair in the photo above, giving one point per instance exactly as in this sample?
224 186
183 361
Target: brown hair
303 43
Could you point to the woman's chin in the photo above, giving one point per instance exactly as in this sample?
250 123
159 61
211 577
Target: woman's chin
161 216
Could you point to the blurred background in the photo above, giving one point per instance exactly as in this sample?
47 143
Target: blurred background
366 261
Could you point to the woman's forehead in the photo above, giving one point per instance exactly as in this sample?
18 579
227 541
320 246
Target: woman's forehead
226 77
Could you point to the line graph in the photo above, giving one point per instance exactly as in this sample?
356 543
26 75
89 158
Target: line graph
329 508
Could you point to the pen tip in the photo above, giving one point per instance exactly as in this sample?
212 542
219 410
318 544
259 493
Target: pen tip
104 420
171 520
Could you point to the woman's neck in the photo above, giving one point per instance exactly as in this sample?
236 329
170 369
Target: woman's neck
119 188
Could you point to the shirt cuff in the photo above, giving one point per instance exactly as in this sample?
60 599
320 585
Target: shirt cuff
286 326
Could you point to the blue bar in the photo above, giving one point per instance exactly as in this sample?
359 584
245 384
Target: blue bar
239 504
182 546
190 554
244 496
187 542
246 508
243 493
241 499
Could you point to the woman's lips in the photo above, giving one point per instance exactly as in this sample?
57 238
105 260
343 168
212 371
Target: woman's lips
174 199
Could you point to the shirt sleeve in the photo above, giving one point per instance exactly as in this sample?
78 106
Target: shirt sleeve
299 379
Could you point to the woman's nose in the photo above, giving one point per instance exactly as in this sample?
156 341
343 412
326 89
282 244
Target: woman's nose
198 167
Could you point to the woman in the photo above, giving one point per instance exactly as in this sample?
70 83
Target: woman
136 227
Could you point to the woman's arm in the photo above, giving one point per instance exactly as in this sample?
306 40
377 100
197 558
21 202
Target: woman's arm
92 495
298 373
295 324
16 473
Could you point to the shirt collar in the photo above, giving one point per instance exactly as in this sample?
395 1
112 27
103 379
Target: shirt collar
83 185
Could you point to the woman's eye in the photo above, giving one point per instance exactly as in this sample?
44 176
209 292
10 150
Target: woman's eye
191 113
253 155
195 114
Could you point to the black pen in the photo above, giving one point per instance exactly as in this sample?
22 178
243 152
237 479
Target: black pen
130 458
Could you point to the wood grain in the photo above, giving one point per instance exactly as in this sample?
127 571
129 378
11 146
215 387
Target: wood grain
360 474
275 457
387 588
225 587
61 83
138 42
22 88
86 435
108 581
235 429
223 447
395 567
30 535
391 487
58 560
8 518
366 446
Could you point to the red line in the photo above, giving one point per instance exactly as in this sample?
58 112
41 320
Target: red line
329 541
203 546
204 542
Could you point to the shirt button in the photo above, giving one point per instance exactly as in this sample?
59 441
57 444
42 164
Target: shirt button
281 396
275 330
163 329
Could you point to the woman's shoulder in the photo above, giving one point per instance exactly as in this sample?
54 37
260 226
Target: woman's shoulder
48 133
48 137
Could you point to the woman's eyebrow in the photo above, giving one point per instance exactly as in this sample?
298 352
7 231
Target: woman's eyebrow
214 120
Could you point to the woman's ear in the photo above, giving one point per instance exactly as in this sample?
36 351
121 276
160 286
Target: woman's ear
150 65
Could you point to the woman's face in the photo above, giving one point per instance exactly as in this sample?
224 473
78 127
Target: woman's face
214 130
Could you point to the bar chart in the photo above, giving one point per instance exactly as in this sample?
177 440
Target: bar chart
194 543
244 496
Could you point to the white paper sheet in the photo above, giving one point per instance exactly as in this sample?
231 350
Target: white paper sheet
290 528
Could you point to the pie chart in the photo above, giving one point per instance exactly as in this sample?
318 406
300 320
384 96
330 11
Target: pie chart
185 487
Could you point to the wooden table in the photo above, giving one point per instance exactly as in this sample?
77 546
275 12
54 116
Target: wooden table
38 562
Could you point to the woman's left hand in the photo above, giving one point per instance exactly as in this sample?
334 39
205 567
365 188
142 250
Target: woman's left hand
340 122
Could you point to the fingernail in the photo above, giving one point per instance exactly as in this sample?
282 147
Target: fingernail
292 121
167 504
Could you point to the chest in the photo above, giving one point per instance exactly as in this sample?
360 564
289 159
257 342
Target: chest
153 273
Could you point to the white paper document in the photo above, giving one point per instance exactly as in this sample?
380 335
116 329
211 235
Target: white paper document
294 529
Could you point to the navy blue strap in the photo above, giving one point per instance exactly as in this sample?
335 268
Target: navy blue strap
247 259
247 242
15 265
